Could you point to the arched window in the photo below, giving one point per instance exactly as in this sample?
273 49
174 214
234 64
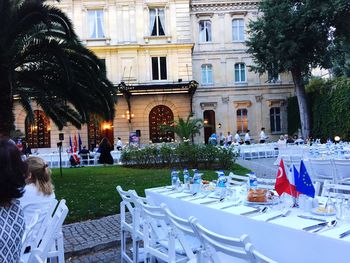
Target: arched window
160 115
207 74
275 119
38 132
240 74
242 120
238 30
204 31
97 129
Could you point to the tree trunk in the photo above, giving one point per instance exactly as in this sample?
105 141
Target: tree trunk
304 111
6 104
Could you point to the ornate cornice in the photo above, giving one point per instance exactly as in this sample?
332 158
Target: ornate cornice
222 5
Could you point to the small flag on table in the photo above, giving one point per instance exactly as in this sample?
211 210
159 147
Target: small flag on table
303 181
282 183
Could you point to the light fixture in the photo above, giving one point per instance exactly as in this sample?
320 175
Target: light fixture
205 121
336 138
128 115
219 125
106 126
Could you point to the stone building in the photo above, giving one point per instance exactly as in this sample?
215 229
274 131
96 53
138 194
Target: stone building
229 96
156 51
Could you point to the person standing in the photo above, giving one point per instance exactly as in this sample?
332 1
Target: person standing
238 138
222 139
263 136
12 177
229 139
247 137
119 144
105 150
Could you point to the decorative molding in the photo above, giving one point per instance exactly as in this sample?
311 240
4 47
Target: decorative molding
225 99
239 13
259 98
242 104
276 102
198 15
200 6
208 105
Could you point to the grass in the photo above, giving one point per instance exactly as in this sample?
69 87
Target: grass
90 191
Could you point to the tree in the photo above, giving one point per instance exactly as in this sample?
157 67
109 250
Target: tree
341 60
42 60
295 36
185 129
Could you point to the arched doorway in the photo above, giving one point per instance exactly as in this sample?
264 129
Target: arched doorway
160 115
38 132
97 129
209 124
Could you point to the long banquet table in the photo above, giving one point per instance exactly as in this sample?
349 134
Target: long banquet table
281 239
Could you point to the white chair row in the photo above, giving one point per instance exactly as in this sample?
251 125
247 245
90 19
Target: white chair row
169 238
235 179
331 169
258 151
47 243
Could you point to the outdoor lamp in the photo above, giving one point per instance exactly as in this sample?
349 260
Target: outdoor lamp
336 138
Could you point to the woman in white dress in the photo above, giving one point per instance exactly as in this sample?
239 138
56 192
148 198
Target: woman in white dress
12 174
39 193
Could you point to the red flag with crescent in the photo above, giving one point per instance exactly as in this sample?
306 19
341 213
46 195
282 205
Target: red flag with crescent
282 183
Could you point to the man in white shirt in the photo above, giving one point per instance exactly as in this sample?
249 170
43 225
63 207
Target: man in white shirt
263 136
229 139
238 138
247 137
222 139
119 145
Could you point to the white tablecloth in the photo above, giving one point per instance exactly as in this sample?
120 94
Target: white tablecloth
281 239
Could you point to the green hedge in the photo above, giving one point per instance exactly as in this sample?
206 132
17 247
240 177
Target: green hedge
179 156
329 102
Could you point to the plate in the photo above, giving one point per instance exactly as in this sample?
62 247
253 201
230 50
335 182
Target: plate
316 212
272 202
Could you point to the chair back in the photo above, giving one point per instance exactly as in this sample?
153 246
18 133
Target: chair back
127 200
214 243
236 179
332 190
51 231
257 256
266 183
342 169
322 169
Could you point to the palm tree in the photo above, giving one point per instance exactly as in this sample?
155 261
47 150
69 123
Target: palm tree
185 129
42 60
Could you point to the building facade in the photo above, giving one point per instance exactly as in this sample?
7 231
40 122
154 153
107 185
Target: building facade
230 97
155 52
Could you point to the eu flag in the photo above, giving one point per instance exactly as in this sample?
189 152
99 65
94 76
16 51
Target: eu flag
303 181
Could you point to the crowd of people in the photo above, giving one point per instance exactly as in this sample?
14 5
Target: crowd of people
26 191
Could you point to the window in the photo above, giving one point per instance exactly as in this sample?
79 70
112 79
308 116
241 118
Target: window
38 132
272 75
240 75
159 68
242 120
275 119
238 30
205 31
96 29
207 74
157 22
160 115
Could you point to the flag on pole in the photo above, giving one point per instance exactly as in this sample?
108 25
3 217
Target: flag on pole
303 181
75 143
79 141
70 144
282 183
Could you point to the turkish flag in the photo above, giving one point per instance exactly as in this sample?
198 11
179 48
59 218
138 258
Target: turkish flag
282 183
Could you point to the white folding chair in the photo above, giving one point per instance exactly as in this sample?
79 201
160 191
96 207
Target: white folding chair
130 203
182 230
236 179
342 169
48 247
322 170
221 249
332 190
257 256
266 183
159 241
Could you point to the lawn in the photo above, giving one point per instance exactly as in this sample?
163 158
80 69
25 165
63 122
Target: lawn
90 191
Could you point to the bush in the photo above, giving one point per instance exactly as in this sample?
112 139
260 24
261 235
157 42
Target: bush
180 156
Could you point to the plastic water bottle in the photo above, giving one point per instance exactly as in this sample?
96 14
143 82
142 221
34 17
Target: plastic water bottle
197 180
253 183
221 184
187 179
174 179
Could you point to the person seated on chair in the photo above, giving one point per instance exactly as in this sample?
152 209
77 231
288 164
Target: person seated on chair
12 181
84 153
39 192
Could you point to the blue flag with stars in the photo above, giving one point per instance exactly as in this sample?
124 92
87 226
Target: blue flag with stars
303 181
